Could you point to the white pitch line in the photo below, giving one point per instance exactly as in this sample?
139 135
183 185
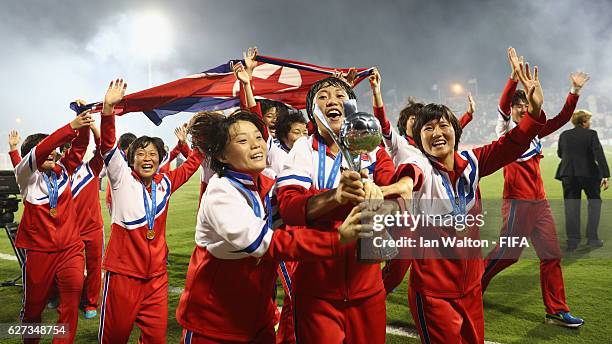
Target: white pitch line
175 290
402 331
408 332
8 257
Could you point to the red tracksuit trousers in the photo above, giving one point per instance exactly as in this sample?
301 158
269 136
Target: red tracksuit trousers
94 245
265 336
127 300
534 220
448 321
40 272
336 321
286 331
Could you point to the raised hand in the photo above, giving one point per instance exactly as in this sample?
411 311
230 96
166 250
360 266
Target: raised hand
471 104
521 68
249 60
351 76
515 63
84 119
532 85
375 79
579 79
13 139
241 73
338 75
114 94
181 133
81 102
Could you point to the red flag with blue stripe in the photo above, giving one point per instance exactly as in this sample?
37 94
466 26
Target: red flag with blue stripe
277 79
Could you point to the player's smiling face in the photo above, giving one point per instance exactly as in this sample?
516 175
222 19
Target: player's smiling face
146 161
246 149
330 100
518 111
49 164
438 138
269 119
297 130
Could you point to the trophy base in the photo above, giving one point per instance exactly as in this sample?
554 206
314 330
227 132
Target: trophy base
368 253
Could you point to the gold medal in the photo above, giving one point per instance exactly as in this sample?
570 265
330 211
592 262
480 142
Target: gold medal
53 212
150 234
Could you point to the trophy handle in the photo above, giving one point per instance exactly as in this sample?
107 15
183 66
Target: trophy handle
343 149
365 246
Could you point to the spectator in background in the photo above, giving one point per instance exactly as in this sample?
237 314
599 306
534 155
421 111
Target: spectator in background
583 166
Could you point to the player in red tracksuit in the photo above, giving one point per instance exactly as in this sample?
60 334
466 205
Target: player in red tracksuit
85 185
15 159
277 153
444 290
339 300
395 269
85 182
289 128
232 271
49 230
136 281
524 196
394 141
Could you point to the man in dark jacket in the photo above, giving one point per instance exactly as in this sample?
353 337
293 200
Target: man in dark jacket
583 167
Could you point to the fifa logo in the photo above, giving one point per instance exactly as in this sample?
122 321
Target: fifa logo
513 242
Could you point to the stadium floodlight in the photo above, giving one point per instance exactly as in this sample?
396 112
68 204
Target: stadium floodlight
457 89
151 35
18 120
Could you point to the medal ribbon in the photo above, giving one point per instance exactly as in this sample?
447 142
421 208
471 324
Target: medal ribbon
255 204
458 202
150 211
52 189
335 167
